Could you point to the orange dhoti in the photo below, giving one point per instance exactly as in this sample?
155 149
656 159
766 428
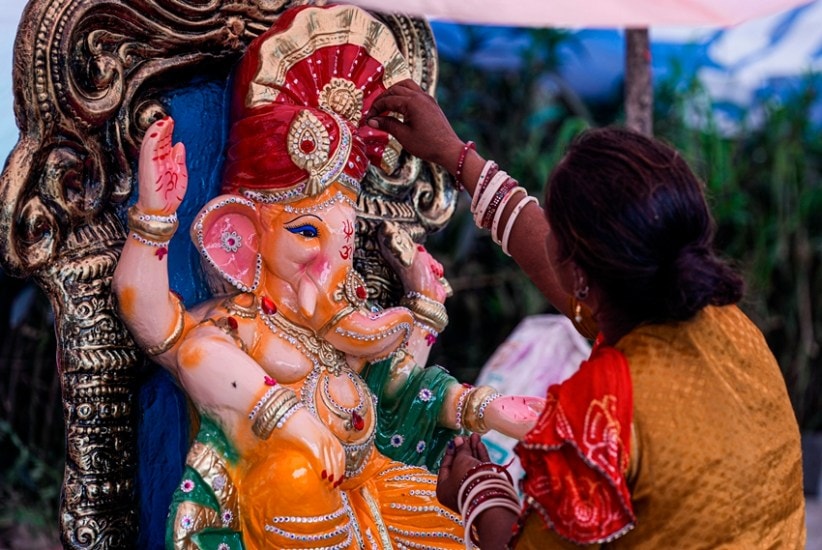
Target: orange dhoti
286 504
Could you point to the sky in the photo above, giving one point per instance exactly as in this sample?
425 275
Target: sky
9 19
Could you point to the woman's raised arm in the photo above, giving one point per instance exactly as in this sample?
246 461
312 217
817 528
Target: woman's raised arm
425 132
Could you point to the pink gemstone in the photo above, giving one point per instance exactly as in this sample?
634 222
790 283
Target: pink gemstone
161 252
270 381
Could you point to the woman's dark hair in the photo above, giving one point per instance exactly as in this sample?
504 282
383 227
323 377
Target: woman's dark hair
629 211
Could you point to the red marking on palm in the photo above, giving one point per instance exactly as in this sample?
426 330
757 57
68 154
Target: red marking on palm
163 175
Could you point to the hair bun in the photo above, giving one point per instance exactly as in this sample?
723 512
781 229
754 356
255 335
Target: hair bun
699 278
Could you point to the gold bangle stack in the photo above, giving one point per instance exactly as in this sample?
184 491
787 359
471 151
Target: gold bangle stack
152 228
175 335
473 416
276 407
426 310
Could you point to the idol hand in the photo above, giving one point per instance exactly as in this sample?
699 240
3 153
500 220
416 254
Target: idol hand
304 430
417 269
162 173
514 415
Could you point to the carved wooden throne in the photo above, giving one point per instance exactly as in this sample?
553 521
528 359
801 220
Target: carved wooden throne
89 77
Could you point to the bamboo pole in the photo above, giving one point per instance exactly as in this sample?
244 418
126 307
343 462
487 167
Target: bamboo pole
639 93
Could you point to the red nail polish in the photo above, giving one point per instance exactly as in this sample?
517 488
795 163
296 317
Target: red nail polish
325 475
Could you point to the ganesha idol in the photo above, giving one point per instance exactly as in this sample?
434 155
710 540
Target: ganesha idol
317 414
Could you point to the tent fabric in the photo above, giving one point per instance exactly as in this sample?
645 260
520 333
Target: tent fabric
573 13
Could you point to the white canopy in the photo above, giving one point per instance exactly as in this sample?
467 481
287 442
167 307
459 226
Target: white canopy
586 13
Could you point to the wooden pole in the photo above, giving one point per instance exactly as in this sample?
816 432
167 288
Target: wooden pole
639 92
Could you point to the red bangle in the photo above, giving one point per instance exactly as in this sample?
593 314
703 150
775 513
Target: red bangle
509 184
461 162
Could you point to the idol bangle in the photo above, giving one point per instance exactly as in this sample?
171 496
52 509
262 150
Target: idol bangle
174 337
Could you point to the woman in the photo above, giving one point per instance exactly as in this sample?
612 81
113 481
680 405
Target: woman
678 431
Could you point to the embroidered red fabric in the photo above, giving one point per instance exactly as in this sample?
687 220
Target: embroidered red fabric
576 457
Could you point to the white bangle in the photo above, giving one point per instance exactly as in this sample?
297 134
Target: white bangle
497 477
498 481
474 199
490 503
501 208
487 195
484 485
512 219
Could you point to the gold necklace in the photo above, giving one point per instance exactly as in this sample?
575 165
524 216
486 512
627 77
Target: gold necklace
322 354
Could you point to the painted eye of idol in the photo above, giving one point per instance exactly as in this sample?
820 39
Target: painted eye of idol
307 230
302 227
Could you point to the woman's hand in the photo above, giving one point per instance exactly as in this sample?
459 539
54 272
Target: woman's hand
514 415
424 131
493 525
162 173
459 458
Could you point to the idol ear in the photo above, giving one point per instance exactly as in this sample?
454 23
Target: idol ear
227 233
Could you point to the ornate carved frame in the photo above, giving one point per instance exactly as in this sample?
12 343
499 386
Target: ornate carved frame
89 77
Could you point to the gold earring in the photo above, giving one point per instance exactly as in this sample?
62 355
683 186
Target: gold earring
578 313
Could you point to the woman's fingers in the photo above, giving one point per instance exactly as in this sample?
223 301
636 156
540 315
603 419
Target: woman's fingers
447 461
478 449
448 479
481 452
424 131
407 85
398 93
389 124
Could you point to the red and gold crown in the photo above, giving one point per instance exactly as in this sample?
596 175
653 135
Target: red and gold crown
300 94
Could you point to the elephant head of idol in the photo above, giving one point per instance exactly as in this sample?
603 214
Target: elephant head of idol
283 227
